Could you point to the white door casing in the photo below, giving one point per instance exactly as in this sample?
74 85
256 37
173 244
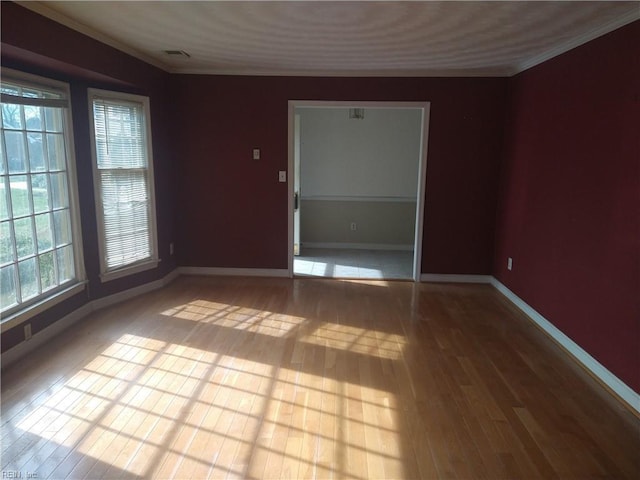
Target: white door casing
294 167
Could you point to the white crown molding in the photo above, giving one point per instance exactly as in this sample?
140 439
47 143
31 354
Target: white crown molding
251 72
579 40
42 9
496 71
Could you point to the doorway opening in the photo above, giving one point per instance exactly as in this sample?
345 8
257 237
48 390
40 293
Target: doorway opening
357 175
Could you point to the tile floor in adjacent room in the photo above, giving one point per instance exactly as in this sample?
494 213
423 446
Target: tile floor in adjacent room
354 263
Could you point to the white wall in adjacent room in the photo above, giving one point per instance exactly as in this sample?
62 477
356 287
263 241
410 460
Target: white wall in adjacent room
359 171
373 157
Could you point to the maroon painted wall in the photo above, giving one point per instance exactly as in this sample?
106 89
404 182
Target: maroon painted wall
569 211
233 211
34 44
568 202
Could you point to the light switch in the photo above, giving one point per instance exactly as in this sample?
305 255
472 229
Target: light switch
282 176
256 154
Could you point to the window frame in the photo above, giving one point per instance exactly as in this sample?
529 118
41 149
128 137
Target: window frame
27 309
108 274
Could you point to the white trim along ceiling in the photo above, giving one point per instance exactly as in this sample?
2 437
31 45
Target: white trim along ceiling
344 38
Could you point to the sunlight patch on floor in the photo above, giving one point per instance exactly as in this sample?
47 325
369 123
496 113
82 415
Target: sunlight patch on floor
355 340
165 410
241 318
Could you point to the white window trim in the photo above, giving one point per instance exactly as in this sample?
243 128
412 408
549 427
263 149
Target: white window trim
48 300
42 305
151 262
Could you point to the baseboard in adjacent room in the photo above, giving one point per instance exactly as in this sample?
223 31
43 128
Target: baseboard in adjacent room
358 246
237 272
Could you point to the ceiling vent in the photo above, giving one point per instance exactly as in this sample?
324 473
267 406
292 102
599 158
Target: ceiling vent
177 53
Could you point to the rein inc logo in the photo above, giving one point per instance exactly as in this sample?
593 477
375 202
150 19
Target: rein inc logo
18 474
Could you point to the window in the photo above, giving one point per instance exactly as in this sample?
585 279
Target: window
40 254
123 172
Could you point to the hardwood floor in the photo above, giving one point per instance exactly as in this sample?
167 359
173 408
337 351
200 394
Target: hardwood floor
308 378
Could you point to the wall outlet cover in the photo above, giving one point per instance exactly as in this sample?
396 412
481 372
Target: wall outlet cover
27 331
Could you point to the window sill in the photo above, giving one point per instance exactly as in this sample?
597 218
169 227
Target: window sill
129 270
31 311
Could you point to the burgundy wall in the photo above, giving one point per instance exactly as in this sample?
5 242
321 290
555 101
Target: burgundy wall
567 197
34 44
569 212
233 211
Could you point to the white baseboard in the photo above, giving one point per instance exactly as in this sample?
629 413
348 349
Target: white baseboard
454 278
46 334
580 355
596 368
22 349
359 246
235 272
135 291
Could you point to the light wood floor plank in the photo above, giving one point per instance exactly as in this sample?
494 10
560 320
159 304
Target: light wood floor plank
248 378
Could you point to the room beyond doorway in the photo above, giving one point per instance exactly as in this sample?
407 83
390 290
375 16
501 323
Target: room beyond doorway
356 184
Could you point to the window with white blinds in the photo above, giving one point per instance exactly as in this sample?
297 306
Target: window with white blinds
123 171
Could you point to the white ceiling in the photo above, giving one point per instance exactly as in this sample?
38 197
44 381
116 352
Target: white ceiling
343 38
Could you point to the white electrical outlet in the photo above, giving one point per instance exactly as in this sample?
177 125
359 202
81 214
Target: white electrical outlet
27 331
256 154
282 176
509 263
354 226
171 248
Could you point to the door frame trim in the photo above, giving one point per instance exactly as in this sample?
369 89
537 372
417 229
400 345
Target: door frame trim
422 167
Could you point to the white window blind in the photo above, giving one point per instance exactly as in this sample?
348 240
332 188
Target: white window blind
124 182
